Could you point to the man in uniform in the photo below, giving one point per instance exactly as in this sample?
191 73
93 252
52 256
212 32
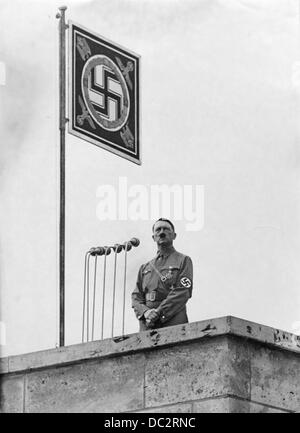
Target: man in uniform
164 284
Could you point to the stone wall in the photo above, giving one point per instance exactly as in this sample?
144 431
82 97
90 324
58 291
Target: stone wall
219 365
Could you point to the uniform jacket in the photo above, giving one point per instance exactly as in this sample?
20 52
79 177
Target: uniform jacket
164 283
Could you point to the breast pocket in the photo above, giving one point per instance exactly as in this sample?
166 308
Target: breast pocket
146 277
169 275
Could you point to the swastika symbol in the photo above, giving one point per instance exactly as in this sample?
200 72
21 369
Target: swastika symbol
108 97
186 282
105 92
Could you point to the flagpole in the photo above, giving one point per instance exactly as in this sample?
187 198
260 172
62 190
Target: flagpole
62 128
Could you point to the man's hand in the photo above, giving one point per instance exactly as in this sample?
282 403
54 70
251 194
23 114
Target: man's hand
151 316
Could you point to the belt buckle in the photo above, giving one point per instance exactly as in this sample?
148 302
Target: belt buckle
152 296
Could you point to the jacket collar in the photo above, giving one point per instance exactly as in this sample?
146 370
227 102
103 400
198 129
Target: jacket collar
166 253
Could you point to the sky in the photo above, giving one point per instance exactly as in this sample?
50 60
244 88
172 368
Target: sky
220 86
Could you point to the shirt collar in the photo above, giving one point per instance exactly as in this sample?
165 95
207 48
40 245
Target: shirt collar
165 253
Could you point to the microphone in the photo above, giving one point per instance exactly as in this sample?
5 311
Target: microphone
87 303
107 251
127 246
135 242
99 251
117 248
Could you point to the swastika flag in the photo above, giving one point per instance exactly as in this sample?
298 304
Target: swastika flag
103 93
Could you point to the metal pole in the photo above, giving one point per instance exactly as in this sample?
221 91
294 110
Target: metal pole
62 127
114 291
84 294
124 288
88 298
94 297
107 251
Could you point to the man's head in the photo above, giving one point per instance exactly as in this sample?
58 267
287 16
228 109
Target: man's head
163 232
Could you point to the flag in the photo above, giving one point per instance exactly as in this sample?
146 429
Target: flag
104 93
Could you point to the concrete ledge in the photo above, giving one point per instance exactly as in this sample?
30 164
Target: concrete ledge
116 346
218 365
3 365
148 340
264 334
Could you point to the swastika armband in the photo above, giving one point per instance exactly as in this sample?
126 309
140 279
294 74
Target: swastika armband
186 282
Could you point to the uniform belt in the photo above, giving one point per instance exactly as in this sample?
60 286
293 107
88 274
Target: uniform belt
154 296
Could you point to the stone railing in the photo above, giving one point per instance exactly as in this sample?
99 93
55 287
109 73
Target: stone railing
218 365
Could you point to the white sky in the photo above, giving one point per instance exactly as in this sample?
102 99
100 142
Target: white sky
219 108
